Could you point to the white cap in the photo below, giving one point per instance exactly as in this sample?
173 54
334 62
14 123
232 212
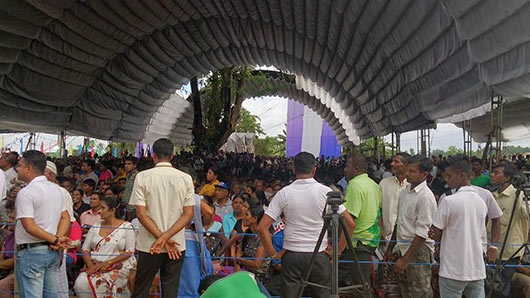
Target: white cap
51 167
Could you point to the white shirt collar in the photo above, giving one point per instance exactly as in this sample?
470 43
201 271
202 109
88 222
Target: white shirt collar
304 181
38 179
418 187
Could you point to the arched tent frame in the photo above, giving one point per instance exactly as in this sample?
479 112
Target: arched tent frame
163 124
103 68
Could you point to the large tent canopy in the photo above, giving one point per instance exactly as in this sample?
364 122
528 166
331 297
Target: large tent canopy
107 69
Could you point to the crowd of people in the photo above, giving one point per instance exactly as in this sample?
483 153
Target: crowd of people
106 227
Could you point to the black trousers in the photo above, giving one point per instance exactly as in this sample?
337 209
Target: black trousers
294 265
347 274
148 266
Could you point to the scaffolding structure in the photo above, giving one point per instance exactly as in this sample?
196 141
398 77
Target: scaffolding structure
423 142
493 152
468 141
396 143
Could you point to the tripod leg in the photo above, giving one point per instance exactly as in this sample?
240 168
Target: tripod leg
313 257
357 266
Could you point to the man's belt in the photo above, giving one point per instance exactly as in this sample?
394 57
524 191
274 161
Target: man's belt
31 245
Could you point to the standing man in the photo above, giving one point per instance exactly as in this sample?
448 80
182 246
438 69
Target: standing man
416 210
42 222
7 164
459 223
164 200
363 202
302 203
479 178
505 195
390 189
131 163
222 204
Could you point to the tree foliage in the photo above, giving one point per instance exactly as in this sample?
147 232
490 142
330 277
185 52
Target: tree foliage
249 123
271 146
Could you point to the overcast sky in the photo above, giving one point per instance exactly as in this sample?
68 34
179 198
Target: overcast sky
273 114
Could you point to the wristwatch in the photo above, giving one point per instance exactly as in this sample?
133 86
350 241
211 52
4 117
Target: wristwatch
56 240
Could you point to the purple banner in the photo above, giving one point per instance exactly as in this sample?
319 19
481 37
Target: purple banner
329 146
295 126
306 131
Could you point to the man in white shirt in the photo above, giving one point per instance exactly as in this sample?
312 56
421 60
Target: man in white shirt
390 189
42 222
302 203
164 199
459 223
416 209
8 161
493 231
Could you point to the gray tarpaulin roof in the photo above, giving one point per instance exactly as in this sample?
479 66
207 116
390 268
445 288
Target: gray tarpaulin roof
103 68
516 122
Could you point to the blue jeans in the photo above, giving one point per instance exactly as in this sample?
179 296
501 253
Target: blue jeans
36 272
450 288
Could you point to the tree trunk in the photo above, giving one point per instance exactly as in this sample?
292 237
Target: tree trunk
198 129
231 115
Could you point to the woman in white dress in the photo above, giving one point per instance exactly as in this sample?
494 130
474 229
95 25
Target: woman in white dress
108 255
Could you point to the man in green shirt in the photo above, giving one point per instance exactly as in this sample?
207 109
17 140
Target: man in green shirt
363 202
479 178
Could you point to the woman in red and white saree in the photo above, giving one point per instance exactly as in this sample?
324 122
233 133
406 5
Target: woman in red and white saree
108 255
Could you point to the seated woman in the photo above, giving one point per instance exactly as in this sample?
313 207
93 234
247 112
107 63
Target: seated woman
107 252
7 262
229 221
240 228
252 249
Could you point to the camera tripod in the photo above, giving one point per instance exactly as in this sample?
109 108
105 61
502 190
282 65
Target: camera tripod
334 220
522 187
